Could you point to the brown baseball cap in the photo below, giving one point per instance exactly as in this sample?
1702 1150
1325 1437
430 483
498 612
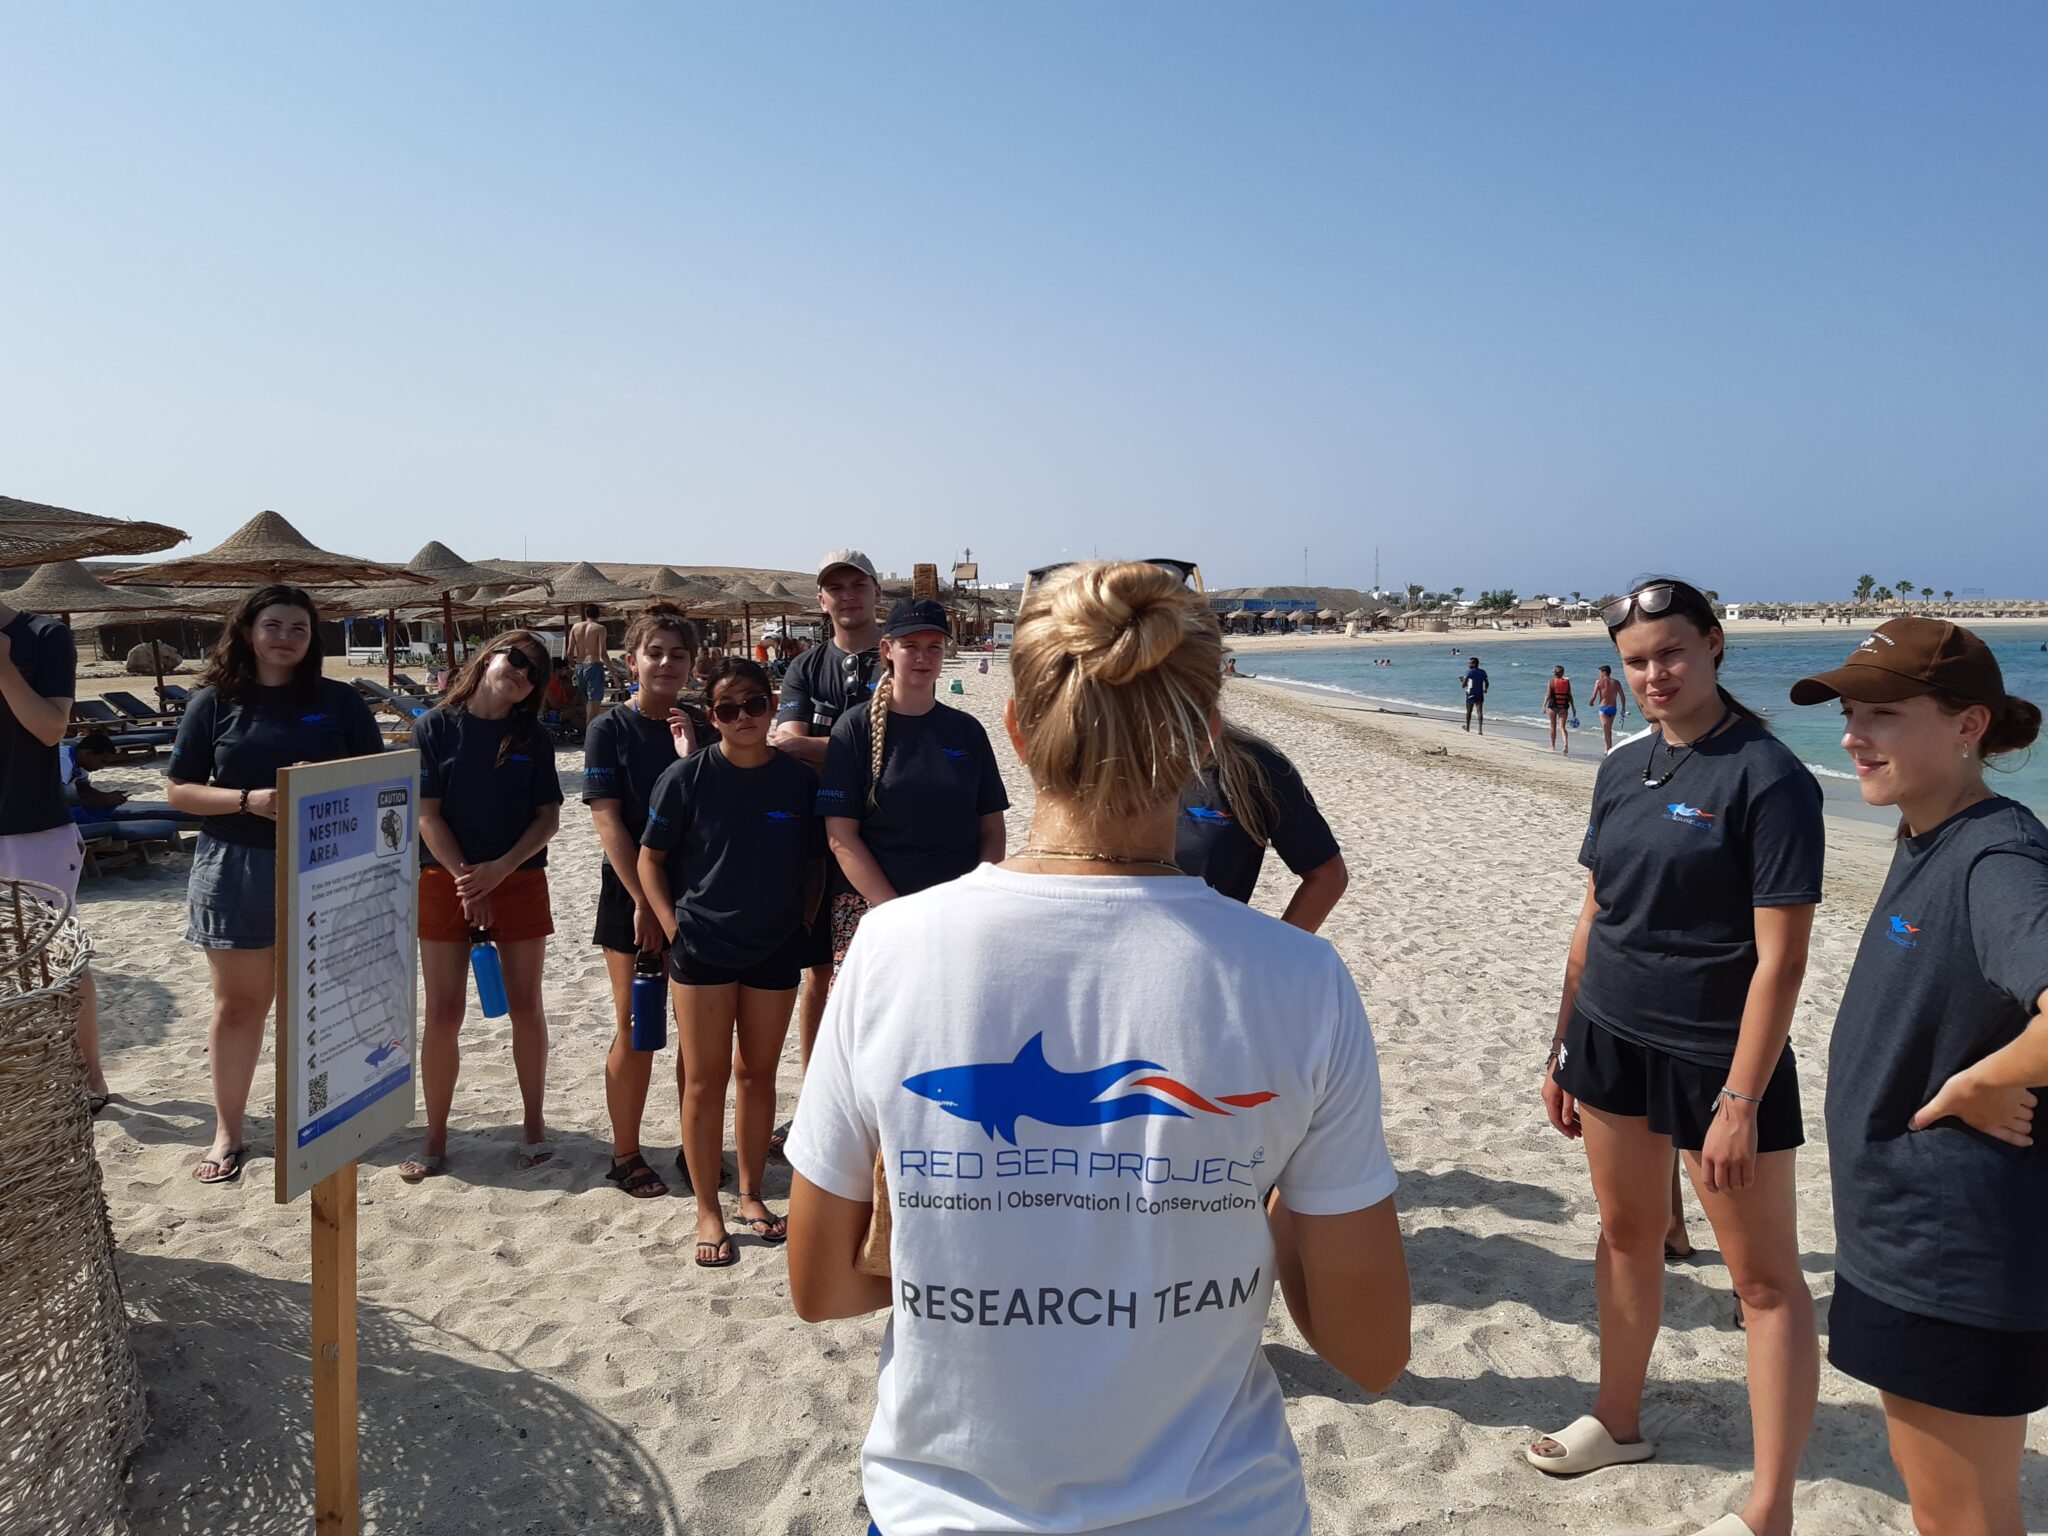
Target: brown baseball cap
1904 658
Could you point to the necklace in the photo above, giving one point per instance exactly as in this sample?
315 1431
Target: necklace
1093 856
1650 783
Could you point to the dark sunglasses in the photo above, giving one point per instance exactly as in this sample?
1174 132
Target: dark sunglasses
1648 601
727 711
1186 571
516 655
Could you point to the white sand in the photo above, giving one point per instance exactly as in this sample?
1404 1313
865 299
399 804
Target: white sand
539 1355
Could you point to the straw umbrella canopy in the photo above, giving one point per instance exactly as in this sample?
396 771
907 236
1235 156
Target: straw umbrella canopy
266 548
65 587
34 534
668 581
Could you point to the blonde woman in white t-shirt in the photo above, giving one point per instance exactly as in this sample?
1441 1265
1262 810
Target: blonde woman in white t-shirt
1112 1106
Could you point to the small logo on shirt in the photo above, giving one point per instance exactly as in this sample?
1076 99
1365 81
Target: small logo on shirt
1204 813
955 753
831 794
311 719
518 757
1689 815
1902 933
996 1095
783 816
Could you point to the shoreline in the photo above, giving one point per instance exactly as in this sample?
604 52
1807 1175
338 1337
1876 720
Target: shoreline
1466 638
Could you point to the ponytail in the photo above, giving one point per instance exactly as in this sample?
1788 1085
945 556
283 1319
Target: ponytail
878 728
1244 783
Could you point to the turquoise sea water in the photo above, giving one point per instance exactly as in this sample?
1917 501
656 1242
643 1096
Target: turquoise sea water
1759 670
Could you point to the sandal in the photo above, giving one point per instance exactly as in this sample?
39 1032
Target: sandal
1729 1525
636 1178
721 1245
1587 1448
770 1228
95 1102
413 1169
778 1136
226 1166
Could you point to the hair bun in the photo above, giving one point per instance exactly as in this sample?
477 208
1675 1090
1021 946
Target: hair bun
1120 621
2013 728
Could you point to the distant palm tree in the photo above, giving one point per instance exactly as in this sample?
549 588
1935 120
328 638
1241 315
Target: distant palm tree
1883 595
1863 586
1927 594
1458 592
1948 596
1905 591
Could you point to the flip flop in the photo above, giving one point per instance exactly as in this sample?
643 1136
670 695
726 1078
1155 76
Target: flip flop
413 1169
778 1136
227 1167
770 1228
1729 1525
636 1178
533 1153
722 1245
95 1102
1587 1448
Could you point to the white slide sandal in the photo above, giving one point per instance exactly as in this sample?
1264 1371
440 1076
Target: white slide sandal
1729 1525
1587 1448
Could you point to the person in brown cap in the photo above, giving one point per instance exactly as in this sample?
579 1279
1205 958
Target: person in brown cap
1939 1057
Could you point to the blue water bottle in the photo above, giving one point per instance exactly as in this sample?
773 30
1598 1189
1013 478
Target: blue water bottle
489 972
650 1004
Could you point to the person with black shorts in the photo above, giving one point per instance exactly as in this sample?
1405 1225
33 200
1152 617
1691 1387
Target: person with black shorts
823 683
1475 683
1704 855
911 793
625 751
1249 797
1935 1073
732 860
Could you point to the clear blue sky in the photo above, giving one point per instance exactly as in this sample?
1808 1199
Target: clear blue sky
1522 294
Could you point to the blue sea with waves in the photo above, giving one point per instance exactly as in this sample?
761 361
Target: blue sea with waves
1759 670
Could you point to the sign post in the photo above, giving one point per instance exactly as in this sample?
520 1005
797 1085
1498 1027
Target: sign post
347 999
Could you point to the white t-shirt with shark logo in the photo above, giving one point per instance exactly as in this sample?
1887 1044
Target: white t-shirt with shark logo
1082 1089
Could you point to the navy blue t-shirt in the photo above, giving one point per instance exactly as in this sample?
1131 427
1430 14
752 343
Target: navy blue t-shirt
738 842
939 778
1946 1222
31 798
826 681
1475 683
624 753
1210 842
1678 871
487 804
240 743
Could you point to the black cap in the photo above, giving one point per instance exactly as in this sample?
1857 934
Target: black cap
915 616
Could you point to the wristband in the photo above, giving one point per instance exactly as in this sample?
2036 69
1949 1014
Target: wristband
1730 1093
245 803
1555 1046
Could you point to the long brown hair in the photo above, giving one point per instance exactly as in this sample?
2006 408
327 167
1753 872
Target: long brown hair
231 668
525 715
1247 788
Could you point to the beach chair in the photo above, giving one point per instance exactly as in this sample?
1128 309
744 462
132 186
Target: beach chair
407 684
406 708
138 713
129 741
175 698
112 844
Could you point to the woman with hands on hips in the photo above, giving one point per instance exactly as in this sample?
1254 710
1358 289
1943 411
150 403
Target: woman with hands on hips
262 705
1939 1057
1704 856
489 802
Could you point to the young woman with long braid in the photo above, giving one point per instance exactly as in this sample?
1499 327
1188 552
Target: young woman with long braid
911 794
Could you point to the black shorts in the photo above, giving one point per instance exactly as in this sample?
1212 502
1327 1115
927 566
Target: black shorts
614 914
1957 1367
772 973
1619 1077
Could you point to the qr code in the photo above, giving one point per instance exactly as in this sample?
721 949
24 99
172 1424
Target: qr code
316 1093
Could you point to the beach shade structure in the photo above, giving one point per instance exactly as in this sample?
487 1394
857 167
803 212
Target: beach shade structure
745 599
266 548
1357 616
448 571
65 588
34 534
669 582
1326 616
575 585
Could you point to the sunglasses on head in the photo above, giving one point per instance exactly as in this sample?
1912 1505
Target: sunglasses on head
1186 571
517 657
729 710
1648 601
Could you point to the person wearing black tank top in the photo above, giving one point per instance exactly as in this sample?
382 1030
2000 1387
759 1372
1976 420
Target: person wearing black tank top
1704 866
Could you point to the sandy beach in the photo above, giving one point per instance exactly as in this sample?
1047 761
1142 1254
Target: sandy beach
538 1355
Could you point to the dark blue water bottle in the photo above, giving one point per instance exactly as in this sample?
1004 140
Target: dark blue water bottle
650 1004
489 972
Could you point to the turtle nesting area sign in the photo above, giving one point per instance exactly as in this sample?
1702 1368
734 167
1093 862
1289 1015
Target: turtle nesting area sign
348 961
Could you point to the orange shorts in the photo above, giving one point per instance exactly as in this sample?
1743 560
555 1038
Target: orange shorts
519 907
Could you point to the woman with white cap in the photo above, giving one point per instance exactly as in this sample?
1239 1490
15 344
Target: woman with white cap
1939 1056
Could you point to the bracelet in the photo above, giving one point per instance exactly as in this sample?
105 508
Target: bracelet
1555 1046
245 803
1730 1093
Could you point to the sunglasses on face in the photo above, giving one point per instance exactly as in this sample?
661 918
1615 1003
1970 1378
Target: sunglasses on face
517 658
726 711
1648 601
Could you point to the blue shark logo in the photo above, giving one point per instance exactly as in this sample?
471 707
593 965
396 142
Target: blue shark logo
388 1048
954 752
1689 815
518 757
311 719
996 1095
1902 933
782 816
1204 813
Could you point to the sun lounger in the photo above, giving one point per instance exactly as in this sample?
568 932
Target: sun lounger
140 714
98 715
406 708
175 698
109 844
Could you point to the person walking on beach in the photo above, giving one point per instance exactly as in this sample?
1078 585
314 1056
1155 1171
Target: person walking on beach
1246 798
1558 707
1704 859
1935 1072
822 684
1475 683
261 705
911 793
1610 699
490 800
625 751
589 647
732 861
1040 1029
38 682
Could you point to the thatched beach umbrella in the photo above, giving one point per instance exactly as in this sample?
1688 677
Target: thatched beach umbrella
266 548
65 588
34 534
